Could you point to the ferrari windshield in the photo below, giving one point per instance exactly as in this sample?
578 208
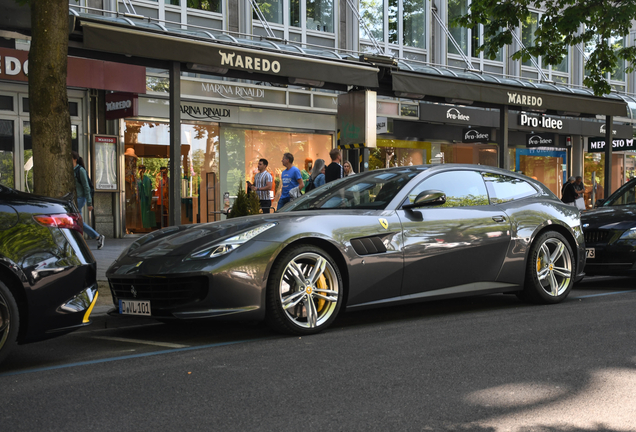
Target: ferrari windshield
370 190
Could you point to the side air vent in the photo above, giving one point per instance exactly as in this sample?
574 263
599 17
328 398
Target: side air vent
368 245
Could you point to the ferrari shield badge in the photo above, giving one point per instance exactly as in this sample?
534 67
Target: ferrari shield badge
384 223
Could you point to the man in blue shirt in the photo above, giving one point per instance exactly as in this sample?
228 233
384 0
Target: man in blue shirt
290 179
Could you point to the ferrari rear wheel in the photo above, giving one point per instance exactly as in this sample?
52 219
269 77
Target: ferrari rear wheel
9 319
304 292
550 269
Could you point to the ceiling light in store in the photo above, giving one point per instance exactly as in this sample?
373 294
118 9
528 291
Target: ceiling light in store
307 82
206 68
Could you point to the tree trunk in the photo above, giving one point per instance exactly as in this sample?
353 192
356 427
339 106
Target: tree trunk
48 99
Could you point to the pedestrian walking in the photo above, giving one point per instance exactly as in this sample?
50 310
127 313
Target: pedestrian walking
83 190
568 193
291 178
262 185
348 169
334 171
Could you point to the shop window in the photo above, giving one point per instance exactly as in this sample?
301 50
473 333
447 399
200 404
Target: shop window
462 188
6 103
7 148
545 166
241 150
594 176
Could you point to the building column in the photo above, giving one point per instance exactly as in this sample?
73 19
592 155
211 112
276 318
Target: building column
609 125
174 216
502 139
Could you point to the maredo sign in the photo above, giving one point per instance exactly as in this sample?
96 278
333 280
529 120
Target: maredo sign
14 67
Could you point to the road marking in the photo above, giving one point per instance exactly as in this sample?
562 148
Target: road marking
603 294
110 359
144 342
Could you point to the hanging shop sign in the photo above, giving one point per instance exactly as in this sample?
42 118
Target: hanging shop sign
476 135
541 140
597 145
458 115
543 122
121 105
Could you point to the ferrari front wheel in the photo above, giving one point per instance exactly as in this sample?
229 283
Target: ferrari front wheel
304 291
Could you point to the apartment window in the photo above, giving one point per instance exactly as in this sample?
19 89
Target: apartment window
405 21
319 15
205 5
528 29
468 39
272 10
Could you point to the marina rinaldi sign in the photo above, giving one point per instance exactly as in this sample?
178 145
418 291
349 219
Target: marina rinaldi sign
597 145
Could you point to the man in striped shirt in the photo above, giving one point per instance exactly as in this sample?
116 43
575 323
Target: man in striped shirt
262 185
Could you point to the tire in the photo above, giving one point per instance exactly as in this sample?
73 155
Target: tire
304 291
9 321
550 270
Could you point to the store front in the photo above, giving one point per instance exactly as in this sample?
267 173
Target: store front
622 164
220 149
16 155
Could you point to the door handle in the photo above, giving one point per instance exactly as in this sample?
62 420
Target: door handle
499 218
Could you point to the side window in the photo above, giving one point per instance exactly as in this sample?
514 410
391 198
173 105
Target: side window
503 188
462 188
628 196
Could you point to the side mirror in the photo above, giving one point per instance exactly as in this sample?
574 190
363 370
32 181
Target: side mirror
427 198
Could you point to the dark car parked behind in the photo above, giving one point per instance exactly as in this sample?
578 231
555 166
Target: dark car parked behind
610 234
47 273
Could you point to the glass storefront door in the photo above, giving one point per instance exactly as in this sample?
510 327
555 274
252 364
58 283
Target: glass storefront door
594 174
547 166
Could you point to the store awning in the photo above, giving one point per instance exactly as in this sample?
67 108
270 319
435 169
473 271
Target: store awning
217 57
479 89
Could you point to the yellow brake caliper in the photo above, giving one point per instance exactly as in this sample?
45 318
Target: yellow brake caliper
321 284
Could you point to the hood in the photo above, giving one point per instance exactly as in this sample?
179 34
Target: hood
180 240
616 218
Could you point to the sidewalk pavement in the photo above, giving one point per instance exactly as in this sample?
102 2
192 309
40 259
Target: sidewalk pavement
105 257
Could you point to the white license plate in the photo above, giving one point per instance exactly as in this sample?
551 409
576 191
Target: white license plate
134 307
590 253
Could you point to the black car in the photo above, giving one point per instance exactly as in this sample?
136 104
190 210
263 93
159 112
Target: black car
378 238
610 234
48 281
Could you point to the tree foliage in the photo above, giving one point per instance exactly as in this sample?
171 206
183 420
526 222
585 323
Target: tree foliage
594 24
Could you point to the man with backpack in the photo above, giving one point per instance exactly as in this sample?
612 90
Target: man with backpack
85 192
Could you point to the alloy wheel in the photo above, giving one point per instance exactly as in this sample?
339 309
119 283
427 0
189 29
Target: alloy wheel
309 290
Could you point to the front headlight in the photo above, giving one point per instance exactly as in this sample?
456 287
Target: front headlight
228 245
630 234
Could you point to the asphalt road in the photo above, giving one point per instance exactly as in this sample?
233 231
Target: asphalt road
486 363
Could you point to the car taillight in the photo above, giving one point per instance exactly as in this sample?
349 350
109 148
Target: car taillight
69 220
